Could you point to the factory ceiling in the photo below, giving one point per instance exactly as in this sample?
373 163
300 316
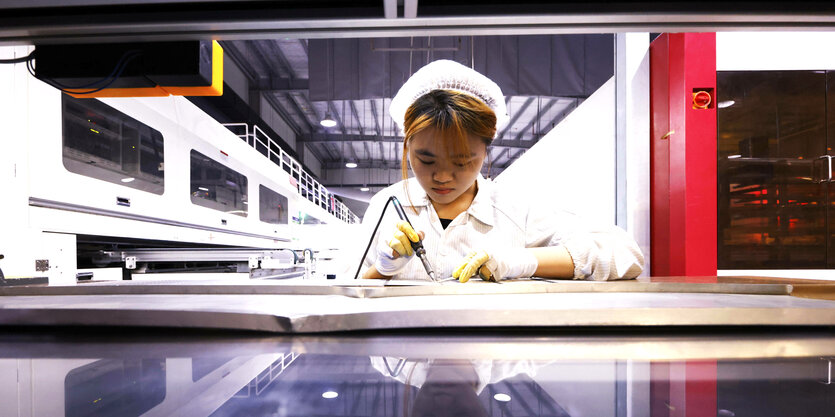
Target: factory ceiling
544 77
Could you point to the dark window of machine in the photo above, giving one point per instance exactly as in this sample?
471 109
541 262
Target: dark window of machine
273 206
216 186
104 143
111 387
773 169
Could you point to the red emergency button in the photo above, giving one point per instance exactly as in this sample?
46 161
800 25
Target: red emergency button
701 99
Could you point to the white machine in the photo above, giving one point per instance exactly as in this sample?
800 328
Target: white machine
141 170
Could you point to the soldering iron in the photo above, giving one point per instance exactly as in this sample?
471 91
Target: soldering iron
416 246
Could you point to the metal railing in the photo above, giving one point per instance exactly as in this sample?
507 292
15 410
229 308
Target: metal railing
305 185
267 376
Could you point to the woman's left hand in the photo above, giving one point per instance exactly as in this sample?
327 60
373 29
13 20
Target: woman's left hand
497 265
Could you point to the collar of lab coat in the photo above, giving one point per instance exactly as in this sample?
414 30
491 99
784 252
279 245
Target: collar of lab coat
481 207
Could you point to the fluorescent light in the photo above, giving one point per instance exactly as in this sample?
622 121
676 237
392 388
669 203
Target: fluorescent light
128 179
364 189
246 203
501 397
734 156
330 394
202 188
351 165
328 121
725 104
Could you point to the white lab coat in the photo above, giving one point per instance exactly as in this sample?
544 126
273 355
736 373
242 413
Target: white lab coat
494 223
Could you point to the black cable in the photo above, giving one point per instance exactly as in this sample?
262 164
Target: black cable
114 75
18 60
371 239
119 65
123 62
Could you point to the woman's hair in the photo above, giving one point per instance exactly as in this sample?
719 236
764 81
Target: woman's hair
454 115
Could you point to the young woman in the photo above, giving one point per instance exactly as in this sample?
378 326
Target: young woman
468 225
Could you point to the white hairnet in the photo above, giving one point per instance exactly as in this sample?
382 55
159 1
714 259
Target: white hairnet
449 75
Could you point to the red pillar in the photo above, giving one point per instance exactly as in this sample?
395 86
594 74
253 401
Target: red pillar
683 199
683 155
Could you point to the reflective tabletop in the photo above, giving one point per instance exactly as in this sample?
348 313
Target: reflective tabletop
697 372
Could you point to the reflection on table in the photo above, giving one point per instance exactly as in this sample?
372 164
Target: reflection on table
412 375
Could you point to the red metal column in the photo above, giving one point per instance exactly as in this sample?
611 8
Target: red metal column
683 155
683 200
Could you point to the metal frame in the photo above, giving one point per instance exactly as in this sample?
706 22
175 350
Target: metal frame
222 27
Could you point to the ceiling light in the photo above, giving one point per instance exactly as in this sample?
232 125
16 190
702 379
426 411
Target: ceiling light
330 394
364 189
328 121
350 165
734 156
202 188
724 104
501 397
128 179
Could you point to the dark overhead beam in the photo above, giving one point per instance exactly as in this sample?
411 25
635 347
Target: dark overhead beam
516 115
536 118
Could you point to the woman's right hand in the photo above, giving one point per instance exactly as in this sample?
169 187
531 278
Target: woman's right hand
394 250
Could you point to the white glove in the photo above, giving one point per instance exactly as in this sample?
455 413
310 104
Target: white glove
497 265
395 252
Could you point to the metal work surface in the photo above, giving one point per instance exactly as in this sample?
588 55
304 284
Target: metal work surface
326 312
383 289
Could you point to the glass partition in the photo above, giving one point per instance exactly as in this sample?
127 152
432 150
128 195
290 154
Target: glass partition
772 193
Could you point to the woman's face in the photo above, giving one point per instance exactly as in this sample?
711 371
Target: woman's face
444 177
